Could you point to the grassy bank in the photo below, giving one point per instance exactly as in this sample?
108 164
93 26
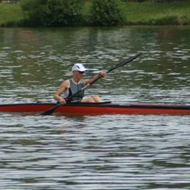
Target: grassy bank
10 14
149 13
146 13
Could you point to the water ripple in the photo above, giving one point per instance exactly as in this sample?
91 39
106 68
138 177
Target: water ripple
110 152
95 152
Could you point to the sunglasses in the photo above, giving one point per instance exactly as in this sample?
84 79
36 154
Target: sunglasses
81 72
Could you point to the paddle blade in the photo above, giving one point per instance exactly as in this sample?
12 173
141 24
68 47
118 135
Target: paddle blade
50 111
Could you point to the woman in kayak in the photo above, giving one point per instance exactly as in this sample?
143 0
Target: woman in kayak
71 86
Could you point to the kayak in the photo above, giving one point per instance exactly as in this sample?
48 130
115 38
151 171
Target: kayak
99 108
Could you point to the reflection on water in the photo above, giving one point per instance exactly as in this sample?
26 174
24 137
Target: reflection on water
95 152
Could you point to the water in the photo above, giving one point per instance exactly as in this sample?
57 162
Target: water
95 152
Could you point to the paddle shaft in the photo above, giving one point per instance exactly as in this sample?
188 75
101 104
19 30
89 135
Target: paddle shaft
50 111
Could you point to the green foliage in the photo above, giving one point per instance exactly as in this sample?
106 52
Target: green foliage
34 11
107 12
52 12
72 12
65 12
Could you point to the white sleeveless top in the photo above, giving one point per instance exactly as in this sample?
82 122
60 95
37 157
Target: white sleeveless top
73 88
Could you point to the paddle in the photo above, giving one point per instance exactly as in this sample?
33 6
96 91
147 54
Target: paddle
50 111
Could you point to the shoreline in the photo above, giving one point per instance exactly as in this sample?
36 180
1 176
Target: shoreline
135 14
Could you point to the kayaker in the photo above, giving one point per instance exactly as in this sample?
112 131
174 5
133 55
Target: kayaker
71 86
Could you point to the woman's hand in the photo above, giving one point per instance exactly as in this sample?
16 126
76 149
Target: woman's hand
103 74
62 101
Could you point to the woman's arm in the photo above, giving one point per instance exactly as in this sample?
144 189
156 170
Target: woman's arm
63 87
101 74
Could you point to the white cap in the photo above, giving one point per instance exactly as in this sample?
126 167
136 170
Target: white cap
79 67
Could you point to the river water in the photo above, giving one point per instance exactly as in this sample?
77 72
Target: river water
129 152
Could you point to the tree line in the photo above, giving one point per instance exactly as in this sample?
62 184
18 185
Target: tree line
153 0
60 13
15 1
49 13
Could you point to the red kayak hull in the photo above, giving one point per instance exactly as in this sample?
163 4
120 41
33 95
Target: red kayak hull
99 108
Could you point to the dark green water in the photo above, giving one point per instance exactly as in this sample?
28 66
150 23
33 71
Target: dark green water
95 152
